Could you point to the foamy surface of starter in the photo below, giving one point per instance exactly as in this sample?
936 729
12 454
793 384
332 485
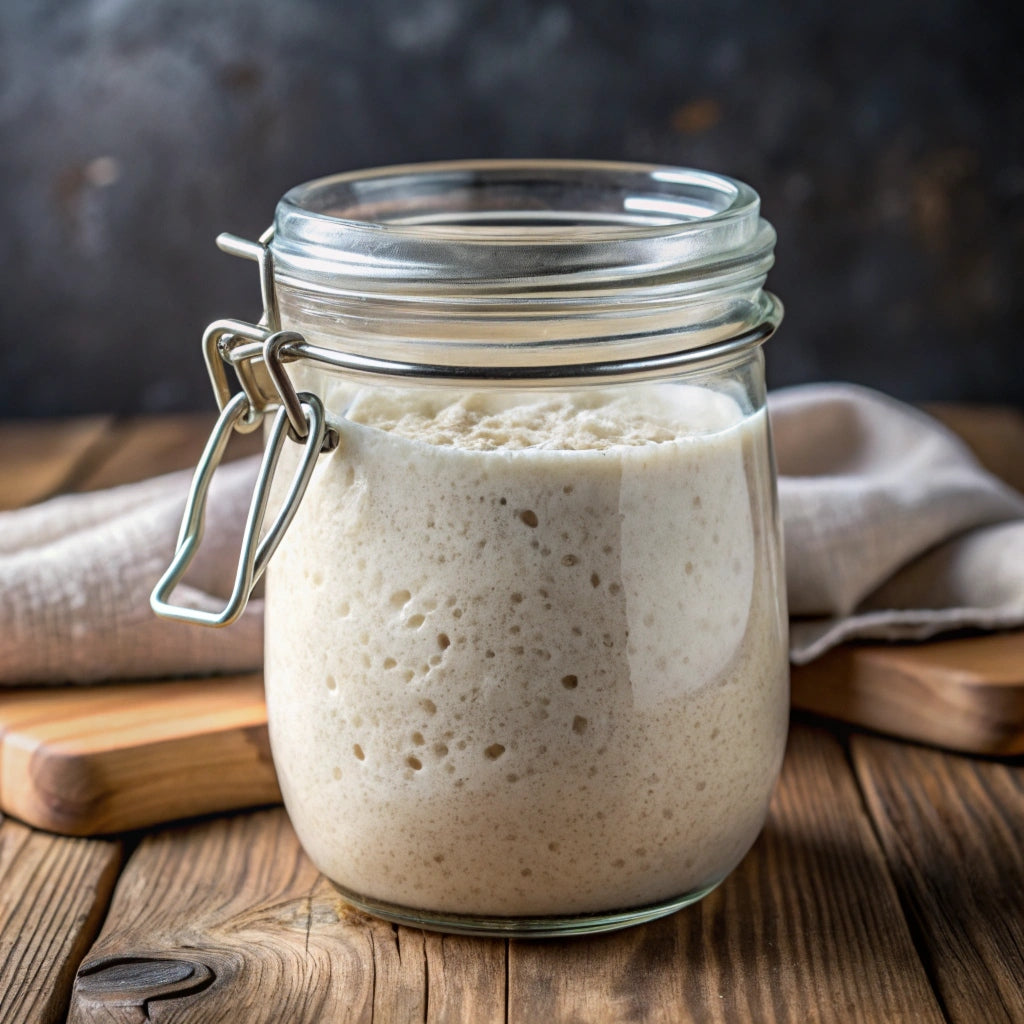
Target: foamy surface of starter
526 653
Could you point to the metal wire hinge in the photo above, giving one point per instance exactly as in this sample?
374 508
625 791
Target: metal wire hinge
255 351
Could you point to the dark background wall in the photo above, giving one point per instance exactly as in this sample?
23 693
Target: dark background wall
884 137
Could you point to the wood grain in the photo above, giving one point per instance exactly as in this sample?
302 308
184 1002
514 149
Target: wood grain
994 433
39 458
96 759
53 893
808 928
466 979
953 832
228 920
148 446
964 694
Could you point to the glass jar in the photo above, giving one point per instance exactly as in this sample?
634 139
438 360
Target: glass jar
526 663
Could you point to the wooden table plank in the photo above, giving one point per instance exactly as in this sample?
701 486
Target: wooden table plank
467 979
953 832
423 976
53 894
256 934
808 928
39 458
228 920
148 446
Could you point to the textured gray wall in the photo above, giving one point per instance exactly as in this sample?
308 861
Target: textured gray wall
885 138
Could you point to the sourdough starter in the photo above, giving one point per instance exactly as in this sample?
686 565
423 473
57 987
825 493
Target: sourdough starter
527 652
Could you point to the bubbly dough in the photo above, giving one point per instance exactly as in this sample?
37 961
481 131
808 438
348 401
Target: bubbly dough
526 653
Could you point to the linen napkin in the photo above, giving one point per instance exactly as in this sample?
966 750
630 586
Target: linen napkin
892 528
76 573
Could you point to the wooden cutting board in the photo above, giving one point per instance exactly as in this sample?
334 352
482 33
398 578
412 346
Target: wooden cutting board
964 694
92 759
88 760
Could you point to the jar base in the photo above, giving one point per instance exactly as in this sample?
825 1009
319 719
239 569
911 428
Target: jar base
543 927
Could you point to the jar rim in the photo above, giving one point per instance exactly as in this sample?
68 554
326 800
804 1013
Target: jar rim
507 226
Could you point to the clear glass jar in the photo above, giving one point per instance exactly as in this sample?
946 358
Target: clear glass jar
526 660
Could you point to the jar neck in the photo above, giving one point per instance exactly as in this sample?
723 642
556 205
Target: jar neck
523 261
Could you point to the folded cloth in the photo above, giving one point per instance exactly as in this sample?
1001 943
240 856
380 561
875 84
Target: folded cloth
76 573
892 528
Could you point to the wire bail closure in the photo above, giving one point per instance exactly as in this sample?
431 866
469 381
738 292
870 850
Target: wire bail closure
255 553
255 352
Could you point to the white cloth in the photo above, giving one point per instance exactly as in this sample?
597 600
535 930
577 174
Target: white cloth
892 528
76 573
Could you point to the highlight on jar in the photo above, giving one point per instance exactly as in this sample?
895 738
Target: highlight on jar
526 635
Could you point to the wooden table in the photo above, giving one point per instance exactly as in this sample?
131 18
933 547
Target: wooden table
887 886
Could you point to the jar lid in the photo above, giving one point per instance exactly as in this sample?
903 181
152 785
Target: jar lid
520 227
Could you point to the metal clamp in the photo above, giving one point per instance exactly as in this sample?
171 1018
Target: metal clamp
256 352
260 371
259 368
255 553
